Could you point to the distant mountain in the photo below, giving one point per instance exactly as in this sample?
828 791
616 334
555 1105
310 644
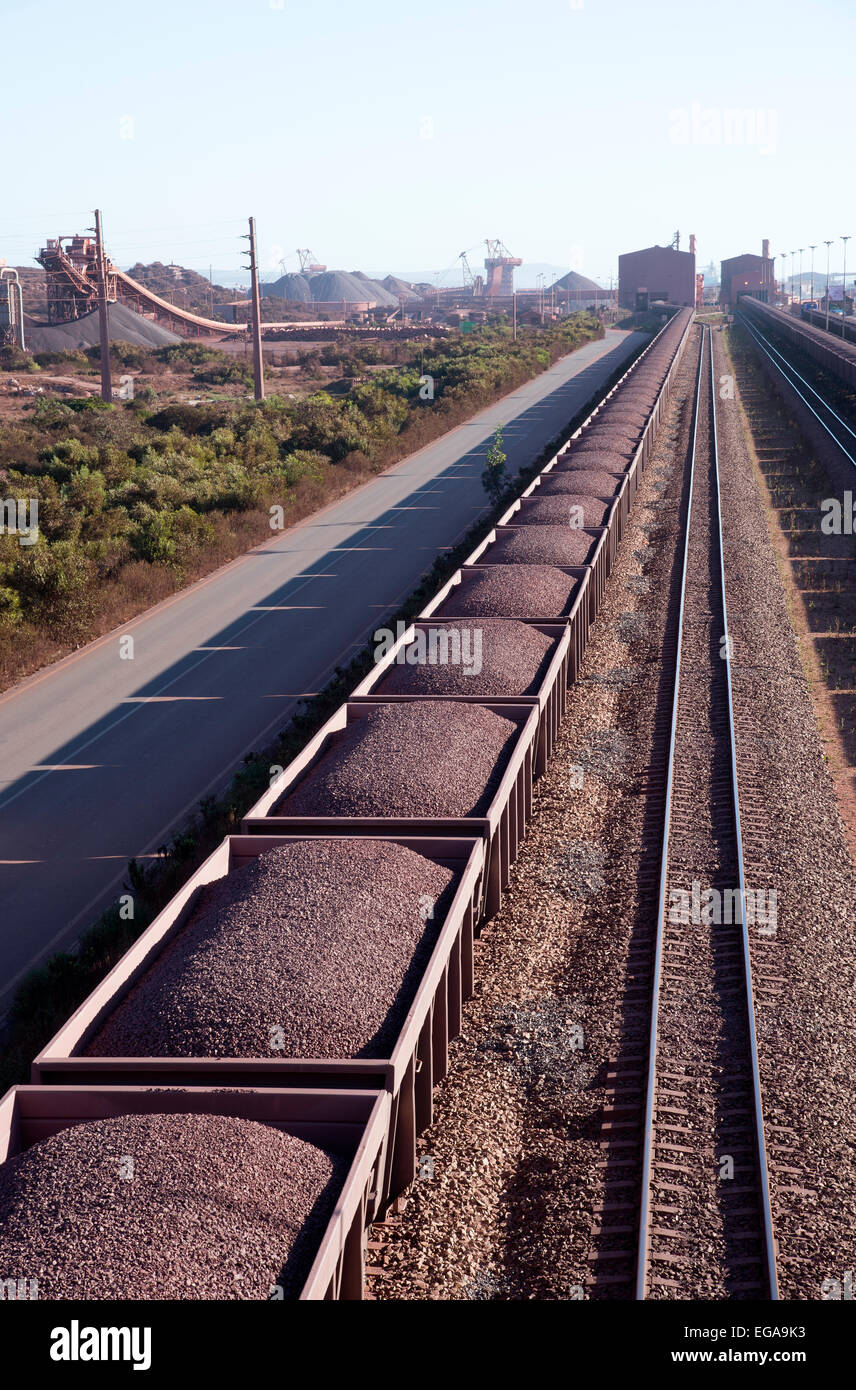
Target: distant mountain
184 288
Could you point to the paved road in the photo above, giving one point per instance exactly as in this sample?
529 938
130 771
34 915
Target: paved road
102 756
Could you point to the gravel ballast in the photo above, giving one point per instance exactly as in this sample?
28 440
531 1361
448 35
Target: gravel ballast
526 591
314 949
427 758
166 1206
541 545
512 658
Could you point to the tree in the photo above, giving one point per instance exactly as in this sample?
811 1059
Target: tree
493 477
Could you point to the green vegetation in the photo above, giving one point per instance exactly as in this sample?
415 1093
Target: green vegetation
493 477
179 489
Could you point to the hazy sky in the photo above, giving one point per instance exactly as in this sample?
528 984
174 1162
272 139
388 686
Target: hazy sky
391 136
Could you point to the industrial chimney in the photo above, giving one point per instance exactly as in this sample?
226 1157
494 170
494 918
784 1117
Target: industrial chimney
692 243
765 249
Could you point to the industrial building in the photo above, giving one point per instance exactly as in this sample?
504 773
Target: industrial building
659 273
752 275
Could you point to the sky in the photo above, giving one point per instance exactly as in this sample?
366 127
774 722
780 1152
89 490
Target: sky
390 137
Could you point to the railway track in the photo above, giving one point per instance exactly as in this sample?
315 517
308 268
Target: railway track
834 424
685 1140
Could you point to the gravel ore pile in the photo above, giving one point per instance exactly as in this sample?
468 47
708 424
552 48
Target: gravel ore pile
593 460
427 758
125 327
512 656
526 591
216 1208
541 545
595 444
637 418
606 436
322 941
556 511
589 482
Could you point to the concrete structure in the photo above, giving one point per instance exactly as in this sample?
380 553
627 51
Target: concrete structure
753 275
499 264
663 272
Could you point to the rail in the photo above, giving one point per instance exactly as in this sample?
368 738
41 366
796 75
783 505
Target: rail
821 410
653 1128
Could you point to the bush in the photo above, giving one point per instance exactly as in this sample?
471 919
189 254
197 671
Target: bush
89 405
224 373
304 463
169 538
54 582
12 359
47 413
77 359
186 354
191 419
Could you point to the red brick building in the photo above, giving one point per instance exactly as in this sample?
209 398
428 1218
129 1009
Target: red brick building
662 271
752 275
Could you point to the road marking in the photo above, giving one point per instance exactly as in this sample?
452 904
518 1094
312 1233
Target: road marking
64 767
164 699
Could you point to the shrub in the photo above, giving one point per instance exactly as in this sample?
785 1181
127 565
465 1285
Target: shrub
89 405
169 538
224 373
77 359
54 582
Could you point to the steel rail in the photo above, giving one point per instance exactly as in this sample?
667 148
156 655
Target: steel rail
760 1142
768 349
648 1144
642 1267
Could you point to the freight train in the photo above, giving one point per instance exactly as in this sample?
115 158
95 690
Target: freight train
295 1001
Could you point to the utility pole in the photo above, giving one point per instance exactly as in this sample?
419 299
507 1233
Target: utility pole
845 239
812 249
827 244
103 319
256 318
514 316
